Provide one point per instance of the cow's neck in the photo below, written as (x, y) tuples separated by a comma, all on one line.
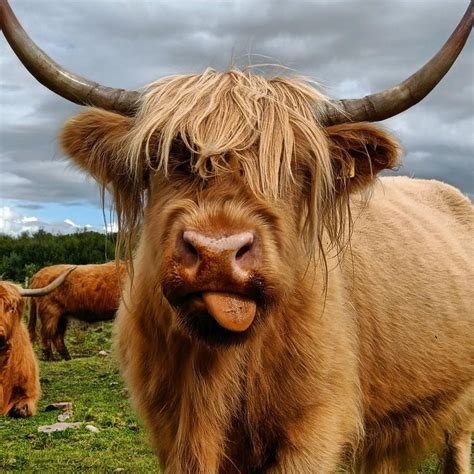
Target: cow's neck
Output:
[(214, 390)]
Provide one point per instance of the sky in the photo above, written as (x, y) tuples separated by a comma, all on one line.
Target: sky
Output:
[(351, 47)]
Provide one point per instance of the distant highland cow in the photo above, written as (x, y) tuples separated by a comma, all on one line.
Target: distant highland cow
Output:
[(91, 294), (19, 382)]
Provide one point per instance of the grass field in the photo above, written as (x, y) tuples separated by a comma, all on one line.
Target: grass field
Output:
[(92, 383)]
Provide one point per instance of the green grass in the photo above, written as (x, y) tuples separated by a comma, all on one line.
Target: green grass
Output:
[(92, 383), (94, 387)]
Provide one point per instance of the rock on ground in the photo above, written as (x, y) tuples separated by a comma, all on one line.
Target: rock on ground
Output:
[(92, 428), (58, 427)]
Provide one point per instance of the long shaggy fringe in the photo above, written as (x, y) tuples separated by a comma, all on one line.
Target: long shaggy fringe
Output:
[(262, 123)]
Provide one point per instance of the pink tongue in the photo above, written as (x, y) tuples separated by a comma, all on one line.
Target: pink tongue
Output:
[(231, 311)]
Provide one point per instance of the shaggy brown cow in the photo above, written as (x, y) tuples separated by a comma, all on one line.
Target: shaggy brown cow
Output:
[(90, 294), (19, 382), (277, 319)]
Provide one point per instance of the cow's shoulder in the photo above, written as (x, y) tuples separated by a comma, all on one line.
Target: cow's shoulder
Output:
[(434, 195)]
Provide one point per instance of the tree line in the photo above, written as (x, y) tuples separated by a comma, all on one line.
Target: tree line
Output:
[(23, 255)]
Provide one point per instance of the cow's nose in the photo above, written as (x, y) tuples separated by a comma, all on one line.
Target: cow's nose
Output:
[(3, 339), (239, 250)]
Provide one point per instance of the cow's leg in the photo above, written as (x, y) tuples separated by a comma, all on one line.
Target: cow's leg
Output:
[(317, 445), (23, 408), (386, 466), (458, 454), (42, 314), (296, 461), (50, 320), (46, 347), (23, 399), (58, 338)]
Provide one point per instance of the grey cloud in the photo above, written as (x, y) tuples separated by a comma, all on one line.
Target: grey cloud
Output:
[(358, 46), (32, 207)]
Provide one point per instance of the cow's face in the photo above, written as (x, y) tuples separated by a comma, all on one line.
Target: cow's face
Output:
[(220, 251), (240, 187), (11, 309)]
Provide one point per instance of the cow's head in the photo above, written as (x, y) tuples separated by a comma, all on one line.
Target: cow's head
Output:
[(12, 304), (233, 179), (11, 310), (240, 183)]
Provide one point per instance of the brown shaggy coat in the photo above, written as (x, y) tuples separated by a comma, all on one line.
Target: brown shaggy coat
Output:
[(361, 350), (90, 293), (19, 381)]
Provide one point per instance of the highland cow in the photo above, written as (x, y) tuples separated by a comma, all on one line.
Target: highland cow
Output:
[(279, 317), (90, 294), (19, 382)]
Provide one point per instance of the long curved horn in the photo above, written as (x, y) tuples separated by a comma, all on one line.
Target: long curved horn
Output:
[(385, 104), (75, 88), (47, 289)]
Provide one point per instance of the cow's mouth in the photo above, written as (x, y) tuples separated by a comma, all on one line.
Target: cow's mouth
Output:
[(3, 345), (231, 311), (219, 310), (217, 317)]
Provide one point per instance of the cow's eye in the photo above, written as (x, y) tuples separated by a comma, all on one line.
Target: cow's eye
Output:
[(180, 159), (180, 166)]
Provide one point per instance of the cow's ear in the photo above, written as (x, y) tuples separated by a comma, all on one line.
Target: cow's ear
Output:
[(94, 140), (359, 151)]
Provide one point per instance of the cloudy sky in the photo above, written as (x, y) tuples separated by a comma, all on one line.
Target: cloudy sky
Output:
[(353, 47)]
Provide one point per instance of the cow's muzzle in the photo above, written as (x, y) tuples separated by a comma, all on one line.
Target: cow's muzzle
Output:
[(4, 344), (215, 285), (217, 267)]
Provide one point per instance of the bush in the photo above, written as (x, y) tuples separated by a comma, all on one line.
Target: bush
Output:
[(22, 256)]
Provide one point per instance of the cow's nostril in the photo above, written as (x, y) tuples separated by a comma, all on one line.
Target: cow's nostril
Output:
[(241, 252), (188, 251), (191, 249)]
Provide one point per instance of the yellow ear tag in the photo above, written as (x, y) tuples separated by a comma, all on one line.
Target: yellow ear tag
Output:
[(352, 169), (351, 173)]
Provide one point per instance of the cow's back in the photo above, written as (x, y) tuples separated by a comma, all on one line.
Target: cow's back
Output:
[(409, 274), (88, 292)]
